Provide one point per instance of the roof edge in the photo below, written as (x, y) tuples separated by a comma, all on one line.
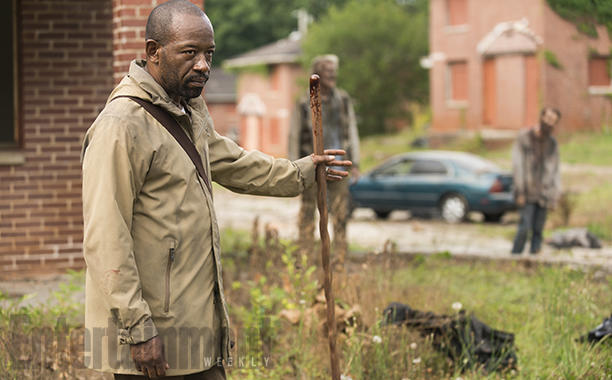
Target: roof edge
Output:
[(268, 60)]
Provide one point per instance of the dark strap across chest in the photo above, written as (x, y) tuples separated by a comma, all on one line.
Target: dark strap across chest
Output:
[(172, 126)]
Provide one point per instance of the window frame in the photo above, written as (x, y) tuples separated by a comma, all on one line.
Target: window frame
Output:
[(599, 89), (455, 28), (17, 142), (450, 101)]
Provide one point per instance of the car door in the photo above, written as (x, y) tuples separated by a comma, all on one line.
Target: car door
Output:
[(427, 181), (385, 189)]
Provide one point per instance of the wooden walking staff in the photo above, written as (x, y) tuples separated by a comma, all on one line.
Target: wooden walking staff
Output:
[(317, 134)]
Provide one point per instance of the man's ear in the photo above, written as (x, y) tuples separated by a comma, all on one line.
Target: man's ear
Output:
[(152, 50)]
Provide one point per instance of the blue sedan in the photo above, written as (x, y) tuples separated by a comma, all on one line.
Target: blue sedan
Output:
[(453, 183)]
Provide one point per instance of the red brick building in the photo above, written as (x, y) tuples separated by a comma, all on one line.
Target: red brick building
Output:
[(268, 87), (62, 59), (495, 63), (220, 95)]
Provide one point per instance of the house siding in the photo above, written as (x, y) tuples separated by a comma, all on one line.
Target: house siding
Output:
[(568, 88), (279, 91), (565, 88)]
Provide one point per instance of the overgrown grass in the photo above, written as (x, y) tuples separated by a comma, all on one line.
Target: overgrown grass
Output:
[(587, 148), (591, 209), (583, 148), (43, 340), (547, 308), (376, 149)]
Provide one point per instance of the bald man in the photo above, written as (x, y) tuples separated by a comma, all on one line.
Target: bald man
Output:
[(155, 305)]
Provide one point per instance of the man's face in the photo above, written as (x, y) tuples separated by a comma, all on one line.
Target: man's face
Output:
[(327, 73), (185, 61), (548, 121)]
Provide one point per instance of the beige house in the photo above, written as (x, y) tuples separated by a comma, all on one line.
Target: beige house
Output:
[(220, 96), (495, 63), (268, 86)]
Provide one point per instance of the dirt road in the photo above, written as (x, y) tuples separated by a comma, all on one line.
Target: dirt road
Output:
[(367, 234)]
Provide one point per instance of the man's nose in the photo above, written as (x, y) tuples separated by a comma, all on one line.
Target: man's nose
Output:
[(202, 65)]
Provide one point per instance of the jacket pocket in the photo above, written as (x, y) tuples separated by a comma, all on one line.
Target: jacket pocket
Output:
[(171, 254)]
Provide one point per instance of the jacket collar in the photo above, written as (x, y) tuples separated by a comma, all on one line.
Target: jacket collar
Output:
[(139, 83)]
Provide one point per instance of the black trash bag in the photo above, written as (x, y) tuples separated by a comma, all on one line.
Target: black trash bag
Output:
[(575, 237), (600, 332), (467, 341)]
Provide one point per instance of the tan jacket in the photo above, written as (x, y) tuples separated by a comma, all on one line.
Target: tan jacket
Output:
[(151, 239)]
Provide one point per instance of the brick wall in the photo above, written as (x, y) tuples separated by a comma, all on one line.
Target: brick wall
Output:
[(71, 52), (66, 52), (129, 20)]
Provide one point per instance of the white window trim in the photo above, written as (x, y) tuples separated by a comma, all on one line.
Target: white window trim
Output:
[(450, 102), (457, 104), (456, 29), (11, 157), (600, 90)]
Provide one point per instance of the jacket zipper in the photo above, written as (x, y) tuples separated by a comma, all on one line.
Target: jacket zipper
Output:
[(171, 254)]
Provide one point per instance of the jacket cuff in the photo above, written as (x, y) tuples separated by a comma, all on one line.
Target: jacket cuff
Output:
[(140, 332), (307, 170)]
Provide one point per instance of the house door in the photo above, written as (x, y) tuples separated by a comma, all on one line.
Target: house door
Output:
[(510, 91), (250, 136)]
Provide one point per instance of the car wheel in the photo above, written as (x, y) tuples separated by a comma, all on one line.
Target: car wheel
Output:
[(493, 218), (382, 214), (453, 208)]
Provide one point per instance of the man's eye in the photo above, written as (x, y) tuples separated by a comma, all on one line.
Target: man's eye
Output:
[(189, 52)]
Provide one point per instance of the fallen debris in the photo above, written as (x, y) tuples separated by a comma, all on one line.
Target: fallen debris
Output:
[(346, 318), (575, 237), (467, 341), (600, 332)]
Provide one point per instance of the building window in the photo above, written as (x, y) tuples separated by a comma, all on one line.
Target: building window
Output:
[(457, 89), (599, 73), (9, 131), (457, 12)]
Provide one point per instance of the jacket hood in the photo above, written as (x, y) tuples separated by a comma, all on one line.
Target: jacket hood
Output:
[(139, 83)]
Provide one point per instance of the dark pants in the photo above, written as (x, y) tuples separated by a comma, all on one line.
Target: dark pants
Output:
[(533, 217), (215, 373)]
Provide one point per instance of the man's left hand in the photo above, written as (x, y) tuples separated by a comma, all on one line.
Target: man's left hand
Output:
[(328, 158)]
